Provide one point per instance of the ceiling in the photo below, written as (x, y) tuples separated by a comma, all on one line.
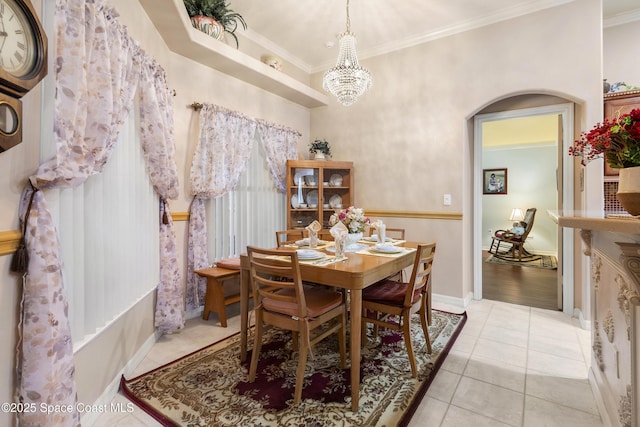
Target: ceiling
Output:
[(299, 30), (527, 131)]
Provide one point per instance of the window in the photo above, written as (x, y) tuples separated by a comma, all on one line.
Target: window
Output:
[(248, 215), (108, 229)]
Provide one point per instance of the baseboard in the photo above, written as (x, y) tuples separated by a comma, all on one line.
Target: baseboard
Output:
[(584, 323), (597, 396), (188, 315), (451, 303), (90, 417)]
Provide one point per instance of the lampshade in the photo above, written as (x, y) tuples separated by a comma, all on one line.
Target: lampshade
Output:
[(347, 80), (516, 215)]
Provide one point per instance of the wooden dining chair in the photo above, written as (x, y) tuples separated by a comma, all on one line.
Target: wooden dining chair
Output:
[(325, 234), (311, 312), (390, 303), (397, 234), (394, 233), (285, 237)]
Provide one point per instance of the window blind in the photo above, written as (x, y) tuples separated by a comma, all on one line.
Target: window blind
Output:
[(108, 230), (248, 215)]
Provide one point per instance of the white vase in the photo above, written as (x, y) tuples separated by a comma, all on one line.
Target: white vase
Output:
[(353, 239), (319, 155), (629, 189)]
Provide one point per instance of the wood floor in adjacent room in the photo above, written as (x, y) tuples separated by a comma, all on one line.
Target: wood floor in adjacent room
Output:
[(533, 287)]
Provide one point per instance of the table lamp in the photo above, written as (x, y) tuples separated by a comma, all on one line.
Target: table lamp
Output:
[(517, 215)]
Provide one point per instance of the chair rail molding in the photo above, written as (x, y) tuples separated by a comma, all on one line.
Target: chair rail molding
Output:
[(9, 241), (413, 214)]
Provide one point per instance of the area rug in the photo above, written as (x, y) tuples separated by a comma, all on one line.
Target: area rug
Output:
[(209, 387), (538, 261)]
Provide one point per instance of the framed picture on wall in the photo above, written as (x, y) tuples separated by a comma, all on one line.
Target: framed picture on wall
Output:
[(494, 181)]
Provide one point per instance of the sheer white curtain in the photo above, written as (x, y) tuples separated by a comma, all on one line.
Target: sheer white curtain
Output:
[(248, 215), (108, 231), (226, 142)]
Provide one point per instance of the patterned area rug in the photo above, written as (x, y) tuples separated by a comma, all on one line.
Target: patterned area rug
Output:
[(538, 261), (209, 387)]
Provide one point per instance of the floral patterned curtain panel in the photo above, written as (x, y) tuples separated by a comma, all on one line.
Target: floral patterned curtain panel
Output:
[(222, 154), (158, 145), (98, 69), (280, 144)]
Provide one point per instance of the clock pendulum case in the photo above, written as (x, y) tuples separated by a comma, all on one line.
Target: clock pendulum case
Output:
[(23, 64)]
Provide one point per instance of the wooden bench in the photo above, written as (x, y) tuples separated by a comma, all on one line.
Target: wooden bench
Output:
[(214, 297)]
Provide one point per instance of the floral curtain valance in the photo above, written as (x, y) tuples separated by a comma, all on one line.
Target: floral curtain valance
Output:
[(222, 154)]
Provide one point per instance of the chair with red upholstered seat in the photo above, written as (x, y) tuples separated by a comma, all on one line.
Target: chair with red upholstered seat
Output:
[(311, 312), (390, 303)]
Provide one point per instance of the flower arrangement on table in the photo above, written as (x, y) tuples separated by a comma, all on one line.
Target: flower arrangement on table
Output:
[(617, 140), (353, 218)]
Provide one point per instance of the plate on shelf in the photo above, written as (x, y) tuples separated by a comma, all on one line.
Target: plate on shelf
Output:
[(386, 249), (335, 180), (309, 254), (295, 203), (298, 177), (335, 201), (311, 180), (312, 197)]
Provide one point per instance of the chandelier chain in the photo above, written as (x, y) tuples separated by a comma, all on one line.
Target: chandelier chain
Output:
[(348, 19)]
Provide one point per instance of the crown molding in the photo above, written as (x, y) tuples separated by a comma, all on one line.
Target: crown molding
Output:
[(446, 31), (622, 18)]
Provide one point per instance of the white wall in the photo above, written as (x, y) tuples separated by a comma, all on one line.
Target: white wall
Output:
[(410, 135), (531, 183), (622, 54)]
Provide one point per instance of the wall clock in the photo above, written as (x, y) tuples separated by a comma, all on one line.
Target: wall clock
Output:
[(23, 64)]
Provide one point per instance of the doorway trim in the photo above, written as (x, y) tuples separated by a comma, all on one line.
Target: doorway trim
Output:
[(565, 110)]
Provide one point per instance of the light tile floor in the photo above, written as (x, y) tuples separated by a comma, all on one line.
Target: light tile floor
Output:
[(511, 366)]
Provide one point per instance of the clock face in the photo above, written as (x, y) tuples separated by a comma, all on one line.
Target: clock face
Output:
[(17, 42)]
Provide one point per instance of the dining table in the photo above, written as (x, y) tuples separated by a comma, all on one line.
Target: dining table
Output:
[(359, 269)]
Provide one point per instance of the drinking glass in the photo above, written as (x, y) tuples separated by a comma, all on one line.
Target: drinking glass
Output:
[(340, 244), (382, 234), (313, 240)]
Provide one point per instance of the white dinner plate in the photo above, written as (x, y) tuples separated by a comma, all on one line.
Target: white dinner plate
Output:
[(351, 248), (309, 254), (311, 180), (374, 238), (305, 242), (387, 249), (301, 173), (312, 197), (335, 180), (335, 201), (295, 203)]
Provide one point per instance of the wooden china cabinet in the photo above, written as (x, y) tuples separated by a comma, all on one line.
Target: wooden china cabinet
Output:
[(316, 189)]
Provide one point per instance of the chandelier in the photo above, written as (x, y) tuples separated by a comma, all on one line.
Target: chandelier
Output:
[(347, 80)]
